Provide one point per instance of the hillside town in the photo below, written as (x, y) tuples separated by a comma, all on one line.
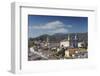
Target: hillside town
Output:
[(68, 48)]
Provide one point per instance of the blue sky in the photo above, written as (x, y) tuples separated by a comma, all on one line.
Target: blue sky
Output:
[(39, 25)]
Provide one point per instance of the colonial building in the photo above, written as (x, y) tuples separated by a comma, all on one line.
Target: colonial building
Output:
[(65, 43), (70, 42)]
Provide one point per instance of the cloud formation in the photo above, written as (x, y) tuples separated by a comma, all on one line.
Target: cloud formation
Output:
[(49, 25), (50, 28)]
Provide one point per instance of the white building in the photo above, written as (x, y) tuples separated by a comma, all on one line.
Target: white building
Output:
[(80, 44), (65, 43)]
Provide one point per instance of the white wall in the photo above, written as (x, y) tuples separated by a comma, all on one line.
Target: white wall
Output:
[(65, 44), (5, 33)]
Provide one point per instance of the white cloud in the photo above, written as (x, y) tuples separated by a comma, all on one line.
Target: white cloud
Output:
[(61, 30), (50, 25), (69, 26), (48, 28)]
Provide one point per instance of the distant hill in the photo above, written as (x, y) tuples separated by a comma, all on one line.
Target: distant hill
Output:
[(57, 37)]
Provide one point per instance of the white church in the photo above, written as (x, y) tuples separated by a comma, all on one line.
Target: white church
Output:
[(68, 43)]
